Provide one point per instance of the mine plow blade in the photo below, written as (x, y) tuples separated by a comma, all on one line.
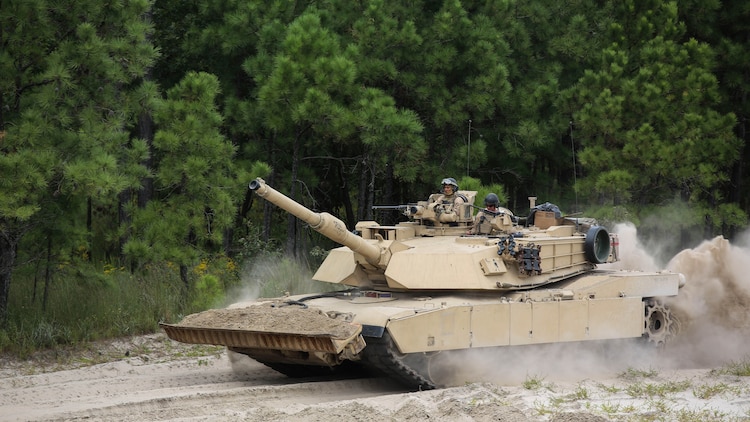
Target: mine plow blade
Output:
[(279, 327), (237, 338)]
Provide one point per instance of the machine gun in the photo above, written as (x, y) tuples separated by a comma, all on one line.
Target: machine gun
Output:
[(492, 213), (390, 207), (501, 212), (409, 210)]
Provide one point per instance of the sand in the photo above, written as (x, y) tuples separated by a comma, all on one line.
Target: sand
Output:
[(149, 378)]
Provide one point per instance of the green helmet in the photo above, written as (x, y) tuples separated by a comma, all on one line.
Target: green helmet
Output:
[(491, 199), (450, 181)]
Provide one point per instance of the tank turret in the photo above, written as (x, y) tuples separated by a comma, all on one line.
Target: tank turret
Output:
[(427, 253), (427, 285)]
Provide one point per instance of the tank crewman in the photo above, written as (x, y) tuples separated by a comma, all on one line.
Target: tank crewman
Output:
[(449, 200), (482, 219)]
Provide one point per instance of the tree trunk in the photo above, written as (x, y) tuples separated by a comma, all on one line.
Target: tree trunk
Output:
[(291, 238), (36, 282), (351, 218), (47, 275), (7, 260), (242, 211), (363, 213), (124, 221), (184, 277), (146, 131), (267, 208), (371, 192), (89, 216), (388, 193), (736, 185)]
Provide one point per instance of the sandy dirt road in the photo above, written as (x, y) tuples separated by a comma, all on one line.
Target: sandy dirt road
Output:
[(163, 381), (171, 385)]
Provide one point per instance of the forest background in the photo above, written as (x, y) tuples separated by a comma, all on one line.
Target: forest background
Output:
[(129, 130)]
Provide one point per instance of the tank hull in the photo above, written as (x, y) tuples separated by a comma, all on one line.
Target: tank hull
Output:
[(396, 329)]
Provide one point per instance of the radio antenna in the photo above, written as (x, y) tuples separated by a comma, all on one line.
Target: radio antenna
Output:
[(468, 150)]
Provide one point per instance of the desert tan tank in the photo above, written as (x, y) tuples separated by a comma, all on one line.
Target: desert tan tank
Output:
[(425, 286)]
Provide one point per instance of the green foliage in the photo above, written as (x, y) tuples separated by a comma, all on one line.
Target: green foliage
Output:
[(88, 303), (726, 217), (650, 111), (608, 216), (70, 98), (193, 171), (470, 183), (534, 82), (392, 136), (20, 195), (80, 310), (5, 340), (208, 292)]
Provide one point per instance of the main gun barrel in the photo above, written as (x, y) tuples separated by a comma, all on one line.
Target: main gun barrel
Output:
[(323, 222)]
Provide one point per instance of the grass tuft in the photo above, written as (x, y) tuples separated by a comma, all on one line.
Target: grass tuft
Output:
[(632, 374), (707, 391), (740, 368), (533, 383)]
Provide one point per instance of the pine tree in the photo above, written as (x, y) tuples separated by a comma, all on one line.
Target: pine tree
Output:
[(648, 119), (71, 91), (194, 180)]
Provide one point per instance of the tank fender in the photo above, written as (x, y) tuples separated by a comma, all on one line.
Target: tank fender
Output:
[(597, 245)]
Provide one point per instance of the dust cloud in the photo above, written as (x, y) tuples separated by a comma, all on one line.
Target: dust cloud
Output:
[(633, 255), (714, 305), (272, 276), (569, 362), (713, 309)]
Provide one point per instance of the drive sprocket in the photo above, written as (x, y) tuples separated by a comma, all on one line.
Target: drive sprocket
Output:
[(660, 323)]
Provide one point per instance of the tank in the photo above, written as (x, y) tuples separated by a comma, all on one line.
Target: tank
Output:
[(425, 286)]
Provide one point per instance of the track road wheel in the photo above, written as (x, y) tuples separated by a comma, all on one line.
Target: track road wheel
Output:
[(659, 323), (346, 369)]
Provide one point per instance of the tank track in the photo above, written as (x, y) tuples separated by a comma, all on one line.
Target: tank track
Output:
[(409, 369)]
